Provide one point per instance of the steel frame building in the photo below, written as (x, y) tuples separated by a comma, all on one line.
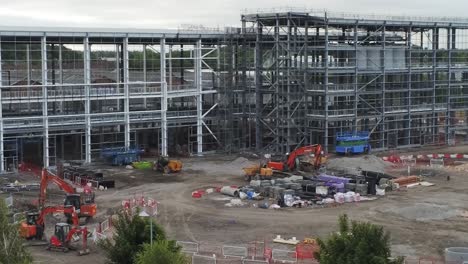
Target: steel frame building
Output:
[(282, 80), (404, 79), (99, 88)]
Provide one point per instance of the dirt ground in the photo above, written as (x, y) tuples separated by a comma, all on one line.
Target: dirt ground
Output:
[(422, 221)]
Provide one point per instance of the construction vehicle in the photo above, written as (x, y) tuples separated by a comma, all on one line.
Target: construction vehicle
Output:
[(83, 203), (33, 226), (167, 166), (63, 236), (255, 171), (292, 160)]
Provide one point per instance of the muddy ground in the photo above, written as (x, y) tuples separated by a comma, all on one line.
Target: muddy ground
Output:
[(422, 221)]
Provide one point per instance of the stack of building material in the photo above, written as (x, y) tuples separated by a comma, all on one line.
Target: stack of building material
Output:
[(404, 181)]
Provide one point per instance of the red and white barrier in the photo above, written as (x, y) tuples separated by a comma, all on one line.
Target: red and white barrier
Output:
[(397, 159)]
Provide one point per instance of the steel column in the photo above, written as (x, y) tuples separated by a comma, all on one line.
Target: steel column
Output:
[(2, 154), (126, 93), (44, 102), (198, 78), (87, 81), (145, 77), (164, 98), (258, 87), (325, 86)]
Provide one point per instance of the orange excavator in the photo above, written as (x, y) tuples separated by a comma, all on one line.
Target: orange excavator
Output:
[(33, 226), (83, 203), (292, 162)]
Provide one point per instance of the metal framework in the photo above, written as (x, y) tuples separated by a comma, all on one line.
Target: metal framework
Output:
[(318, 74), (283, 80), (73, 92)]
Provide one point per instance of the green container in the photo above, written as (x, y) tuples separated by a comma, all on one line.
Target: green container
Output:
[(142, 165)]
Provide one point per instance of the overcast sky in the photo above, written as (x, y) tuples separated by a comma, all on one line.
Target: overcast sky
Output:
[(211, 13)]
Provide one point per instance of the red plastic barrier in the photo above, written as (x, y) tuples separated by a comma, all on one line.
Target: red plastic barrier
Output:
[(306, 251)]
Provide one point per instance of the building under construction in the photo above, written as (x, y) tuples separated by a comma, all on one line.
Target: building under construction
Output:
[(280, 81)]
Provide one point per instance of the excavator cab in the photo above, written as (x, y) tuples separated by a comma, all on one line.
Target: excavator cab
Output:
[(73, 200), (61, 231), (59, 239), (32, 217), (30, 229)]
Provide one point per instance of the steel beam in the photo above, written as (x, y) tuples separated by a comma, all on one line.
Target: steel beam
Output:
[(87, 81), (163, 98)]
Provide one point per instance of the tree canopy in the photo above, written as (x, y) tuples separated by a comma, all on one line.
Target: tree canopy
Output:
[(160, 252), (131, 234), (356, 243)]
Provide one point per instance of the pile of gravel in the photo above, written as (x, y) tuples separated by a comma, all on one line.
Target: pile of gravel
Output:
[(354, 165)]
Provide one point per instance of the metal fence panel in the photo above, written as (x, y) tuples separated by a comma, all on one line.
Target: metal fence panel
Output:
[(200, 259), (249, 261), (233, 251), (9, 201), (285, 256), (188, 247)]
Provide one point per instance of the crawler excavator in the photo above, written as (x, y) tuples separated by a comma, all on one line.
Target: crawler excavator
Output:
[(33, 226), (292, 161), (84, 203)]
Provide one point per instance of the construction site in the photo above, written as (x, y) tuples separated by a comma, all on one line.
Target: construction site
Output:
[(243, 143)]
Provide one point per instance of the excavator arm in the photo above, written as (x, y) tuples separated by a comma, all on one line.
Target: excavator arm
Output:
[(290, 162), (47, 177), (58, 209)]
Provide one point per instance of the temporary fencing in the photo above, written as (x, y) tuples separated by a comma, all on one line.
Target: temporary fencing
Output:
[(429, 260), (188, 247), (9, 201), (200, 259), (102, 229), (234, 251), (284, 256), (249, 261), (437, 163)]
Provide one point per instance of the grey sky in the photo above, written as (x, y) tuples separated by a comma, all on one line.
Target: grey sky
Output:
[(172, 13)]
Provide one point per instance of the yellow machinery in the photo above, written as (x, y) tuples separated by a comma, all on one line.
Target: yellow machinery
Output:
[(255, 170), (168, 166)]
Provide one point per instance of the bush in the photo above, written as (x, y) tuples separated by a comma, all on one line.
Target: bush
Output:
[(131, 233), (11, 244), (161, 252), (356, 243)]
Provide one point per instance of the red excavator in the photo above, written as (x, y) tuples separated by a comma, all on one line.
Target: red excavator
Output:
[(291, 161), (83, 203), (33, 226), (63, 236)]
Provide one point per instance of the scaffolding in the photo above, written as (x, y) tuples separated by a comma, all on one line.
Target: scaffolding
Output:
[(319, 74), (282, 80)]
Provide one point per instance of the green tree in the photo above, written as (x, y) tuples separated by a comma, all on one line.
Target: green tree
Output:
[(131, 233), (11, 244), (356, 243), (161, 252)]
